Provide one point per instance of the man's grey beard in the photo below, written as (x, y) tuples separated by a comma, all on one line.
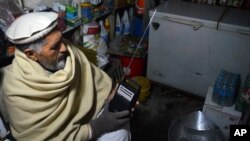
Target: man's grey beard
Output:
[(59, 64)]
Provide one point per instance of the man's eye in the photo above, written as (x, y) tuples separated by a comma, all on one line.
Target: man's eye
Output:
[(56, 46), (53, 48)]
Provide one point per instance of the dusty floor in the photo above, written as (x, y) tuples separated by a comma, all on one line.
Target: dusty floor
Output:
[(152, 118)]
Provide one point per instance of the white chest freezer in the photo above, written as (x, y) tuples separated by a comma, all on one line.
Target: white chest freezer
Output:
[(190, 43)]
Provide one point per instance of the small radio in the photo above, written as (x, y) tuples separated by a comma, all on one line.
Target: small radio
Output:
[(126, 96)]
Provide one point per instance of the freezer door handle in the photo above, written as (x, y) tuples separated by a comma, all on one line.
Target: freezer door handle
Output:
[(155, 25), (194, 24)]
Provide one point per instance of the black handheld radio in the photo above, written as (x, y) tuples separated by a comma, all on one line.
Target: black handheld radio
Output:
[(126, 96)]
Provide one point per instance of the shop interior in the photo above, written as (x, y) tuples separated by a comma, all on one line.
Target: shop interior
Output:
[(189, 57)]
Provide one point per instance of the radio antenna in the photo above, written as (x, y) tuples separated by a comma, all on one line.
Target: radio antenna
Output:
[(138, 45)]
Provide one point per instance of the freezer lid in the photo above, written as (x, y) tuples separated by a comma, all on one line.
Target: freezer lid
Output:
[(182, 11), (236, 20)]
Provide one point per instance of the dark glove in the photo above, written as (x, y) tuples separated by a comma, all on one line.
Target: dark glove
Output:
[(108, 121)]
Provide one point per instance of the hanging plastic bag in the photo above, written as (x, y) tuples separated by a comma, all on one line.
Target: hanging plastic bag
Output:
[(118, 25), (126, 22)]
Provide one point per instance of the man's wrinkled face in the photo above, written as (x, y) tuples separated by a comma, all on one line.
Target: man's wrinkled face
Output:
[(54, 52)]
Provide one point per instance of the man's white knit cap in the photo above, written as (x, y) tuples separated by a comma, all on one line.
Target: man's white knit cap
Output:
[(30, 27)]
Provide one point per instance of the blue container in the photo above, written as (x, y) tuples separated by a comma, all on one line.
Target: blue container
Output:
[(225, 88), (137, 27), (87, 14)]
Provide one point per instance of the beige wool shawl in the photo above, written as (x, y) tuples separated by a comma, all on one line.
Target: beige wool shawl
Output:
[(56, 106)]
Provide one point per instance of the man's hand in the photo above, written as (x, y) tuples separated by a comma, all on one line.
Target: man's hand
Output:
[(108, 121)]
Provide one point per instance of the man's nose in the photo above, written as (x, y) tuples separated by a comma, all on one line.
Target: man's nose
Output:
[(63, 48)]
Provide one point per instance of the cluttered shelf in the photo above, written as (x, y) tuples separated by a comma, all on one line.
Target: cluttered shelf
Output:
[(80, 21)]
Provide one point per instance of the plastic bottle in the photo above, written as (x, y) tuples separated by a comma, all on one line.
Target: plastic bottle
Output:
[(225, 88), (126, 22), (222, 95), (216, 97), (118, 25), (233, 89)]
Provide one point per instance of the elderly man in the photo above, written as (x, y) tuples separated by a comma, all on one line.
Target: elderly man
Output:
[(51, 91)]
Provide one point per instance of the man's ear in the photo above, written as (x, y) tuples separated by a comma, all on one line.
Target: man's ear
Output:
[(31, 54)]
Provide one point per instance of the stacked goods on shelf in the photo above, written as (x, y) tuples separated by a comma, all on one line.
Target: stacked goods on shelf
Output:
[(90, 34), (86, 11), (72, 18), (95, 38), (91, 12)]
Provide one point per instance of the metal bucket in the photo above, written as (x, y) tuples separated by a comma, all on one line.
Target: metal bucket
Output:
[(195, 127)]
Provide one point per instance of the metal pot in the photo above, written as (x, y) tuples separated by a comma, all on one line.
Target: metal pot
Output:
[(195, 127)]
